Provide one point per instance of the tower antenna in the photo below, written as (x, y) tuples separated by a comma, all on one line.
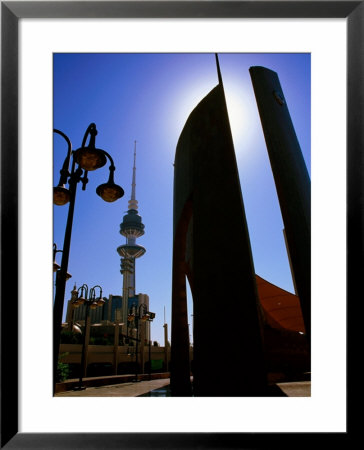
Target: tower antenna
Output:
[(133, 203)]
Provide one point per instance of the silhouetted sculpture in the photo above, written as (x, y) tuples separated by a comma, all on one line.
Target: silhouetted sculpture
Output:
[(211, 247), (291, 179)]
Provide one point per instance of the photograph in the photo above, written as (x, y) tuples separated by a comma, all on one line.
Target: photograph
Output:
[(190, 257)]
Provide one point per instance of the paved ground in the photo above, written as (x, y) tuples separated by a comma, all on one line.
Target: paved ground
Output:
[(296, 389), (118, 390), (146, 388)]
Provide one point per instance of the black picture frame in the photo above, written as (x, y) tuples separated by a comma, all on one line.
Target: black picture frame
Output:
[(11, 12)]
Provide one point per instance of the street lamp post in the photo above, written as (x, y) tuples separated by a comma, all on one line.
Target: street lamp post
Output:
[(87, 158), (87, 298), (135, 315), (150, 320), (150, 359)]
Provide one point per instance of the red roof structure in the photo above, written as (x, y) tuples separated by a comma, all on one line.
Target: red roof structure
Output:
[(281, 308)]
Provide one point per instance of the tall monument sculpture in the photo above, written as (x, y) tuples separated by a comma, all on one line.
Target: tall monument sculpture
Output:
[(132, 228), (291, 179), (208, 204)]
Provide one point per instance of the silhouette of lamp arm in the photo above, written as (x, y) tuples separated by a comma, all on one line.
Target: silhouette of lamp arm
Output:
[(56, 266)]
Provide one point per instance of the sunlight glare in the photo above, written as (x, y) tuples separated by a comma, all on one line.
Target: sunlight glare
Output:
[(186, 104), (242, 111)]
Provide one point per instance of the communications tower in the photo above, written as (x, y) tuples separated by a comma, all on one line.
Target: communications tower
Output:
[(132, 228)]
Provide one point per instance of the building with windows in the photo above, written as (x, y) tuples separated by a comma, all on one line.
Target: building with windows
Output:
[(110, 312)]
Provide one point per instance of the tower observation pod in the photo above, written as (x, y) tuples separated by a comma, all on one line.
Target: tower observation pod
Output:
[(132, 228)]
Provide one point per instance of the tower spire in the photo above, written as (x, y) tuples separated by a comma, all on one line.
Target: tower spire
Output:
[(132, 228), (133, 203)]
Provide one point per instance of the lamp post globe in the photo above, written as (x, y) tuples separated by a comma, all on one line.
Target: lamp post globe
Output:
[(89, 157), (61, 195)]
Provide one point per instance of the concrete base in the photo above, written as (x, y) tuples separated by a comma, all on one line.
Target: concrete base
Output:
[(69, 385)]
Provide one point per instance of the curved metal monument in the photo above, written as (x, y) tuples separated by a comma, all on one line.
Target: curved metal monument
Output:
[(291, 179), (208, 199)]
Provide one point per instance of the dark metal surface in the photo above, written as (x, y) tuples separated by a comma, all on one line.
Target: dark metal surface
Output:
[(206, 176), (291, 179), (11, 12)]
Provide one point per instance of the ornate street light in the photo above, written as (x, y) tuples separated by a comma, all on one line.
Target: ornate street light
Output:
[(139, 315), (87, 158), (87, 298)]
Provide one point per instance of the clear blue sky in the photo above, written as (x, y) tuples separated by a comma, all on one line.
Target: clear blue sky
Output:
[(148, 98)]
